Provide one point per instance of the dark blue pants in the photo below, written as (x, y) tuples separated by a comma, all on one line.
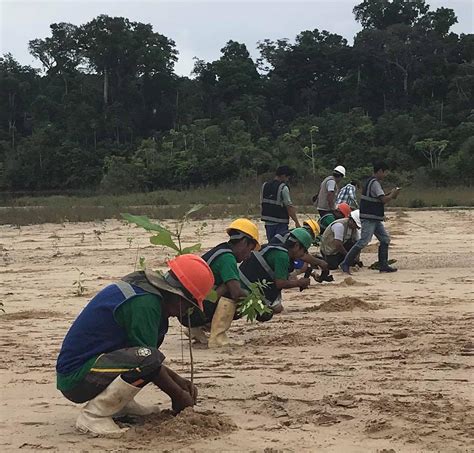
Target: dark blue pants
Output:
[(273, 230)]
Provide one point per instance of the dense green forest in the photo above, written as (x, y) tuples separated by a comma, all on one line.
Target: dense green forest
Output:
[(108, 112)]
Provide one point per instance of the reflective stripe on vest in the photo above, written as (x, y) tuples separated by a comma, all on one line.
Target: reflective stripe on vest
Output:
[(271, 201), (260, 270), (126, 288), (216, 254), (370, 207), (328, 247)]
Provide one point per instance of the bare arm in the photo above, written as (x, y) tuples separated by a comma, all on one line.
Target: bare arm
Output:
[(391, 196), (297, 283), (234, 290), (332, 199), (292, 213), (340, 247), (180, 397), (315, 262)]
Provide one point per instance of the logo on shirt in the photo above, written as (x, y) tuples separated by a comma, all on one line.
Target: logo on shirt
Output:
[(143, 352)]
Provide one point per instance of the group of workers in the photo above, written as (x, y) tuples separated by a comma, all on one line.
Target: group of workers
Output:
[(111, 351)]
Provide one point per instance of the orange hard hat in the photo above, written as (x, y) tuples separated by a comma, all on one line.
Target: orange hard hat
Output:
[(344, 208), (194, 274)]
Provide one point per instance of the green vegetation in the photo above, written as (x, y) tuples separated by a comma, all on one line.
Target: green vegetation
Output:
[(108, 112), (245, 202)]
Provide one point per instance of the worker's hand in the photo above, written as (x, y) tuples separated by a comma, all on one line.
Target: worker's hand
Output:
[(190, 388), (303, 283), (395, 192), (182, 401), (186, 385)]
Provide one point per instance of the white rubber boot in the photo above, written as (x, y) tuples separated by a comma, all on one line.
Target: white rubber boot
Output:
[(96, 416), (221, 322)]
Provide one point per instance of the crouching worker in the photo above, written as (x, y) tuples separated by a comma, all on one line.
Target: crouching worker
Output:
[(273, 264), (111, 350), (338, 238), (312, 227), (342, 211), (223, 259)]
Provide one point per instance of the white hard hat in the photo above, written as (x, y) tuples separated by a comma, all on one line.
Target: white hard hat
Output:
[(355, 216), (340, 169)]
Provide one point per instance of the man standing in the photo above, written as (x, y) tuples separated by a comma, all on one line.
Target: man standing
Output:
[(111, 350), (338, 239), (372, 215), (326, 202), (277, 207), (348, 194)]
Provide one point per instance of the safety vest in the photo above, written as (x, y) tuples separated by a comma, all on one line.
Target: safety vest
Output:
[(371, 208), (323, 195), (255, 268), (271, 200), (197, 317), (328, 246), (219, 250), (95, 331)]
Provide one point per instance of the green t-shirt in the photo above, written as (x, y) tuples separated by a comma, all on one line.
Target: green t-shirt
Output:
[(140, 317), (224, 268), (279, 261)]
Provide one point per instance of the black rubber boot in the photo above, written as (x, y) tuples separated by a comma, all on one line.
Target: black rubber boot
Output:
[(383, 259)]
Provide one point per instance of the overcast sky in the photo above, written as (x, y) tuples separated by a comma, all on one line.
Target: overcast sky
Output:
[(199, 28)]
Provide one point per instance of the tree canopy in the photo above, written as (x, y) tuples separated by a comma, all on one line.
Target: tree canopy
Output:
[(108, 111)]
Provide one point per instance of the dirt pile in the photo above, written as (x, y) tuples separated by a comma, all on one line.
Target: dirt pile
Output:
[(186, 425), (346, 304), (349, 281)]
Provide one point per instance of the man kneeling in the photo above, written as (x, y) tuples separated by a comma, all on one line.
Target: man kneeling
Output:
[(338, 238), (111, 350)]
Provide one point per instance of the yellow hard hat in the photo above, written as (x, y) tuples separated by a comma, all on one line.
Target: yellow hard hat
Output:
[(247, 227), (314, 226)]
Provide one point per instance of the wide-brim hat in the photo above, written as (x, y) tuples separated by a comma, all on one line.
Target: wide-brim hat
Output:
[(158, 281)]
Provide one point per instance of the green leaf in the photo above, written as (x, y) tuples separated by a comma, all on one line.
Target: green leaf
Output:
[(212, 296), (195, 208), (191, 249), (164, 238), (144, 222), (253, 305)]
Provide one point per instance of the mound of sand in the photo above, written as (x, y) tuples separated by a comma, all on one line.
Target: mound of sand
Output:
[(346, 304), (188, 424), (349, 281)]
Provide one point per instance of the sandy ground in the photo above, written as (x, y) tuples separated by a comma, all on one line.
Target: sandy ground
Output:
[(392, 374)]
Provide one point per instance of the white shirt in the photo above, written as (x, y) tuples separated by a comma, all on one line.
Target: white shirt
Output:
[(338, 230)]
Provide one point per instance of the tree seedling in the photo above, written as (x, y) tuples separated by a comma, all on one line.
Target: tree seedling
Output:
[(79, 285), (253, 305), (98, 233), (164, 236)]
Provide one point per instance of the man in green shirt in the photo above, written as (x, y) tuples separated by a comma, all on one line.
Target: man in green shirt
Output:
[(223, 259), (111, 350), (273, 265)]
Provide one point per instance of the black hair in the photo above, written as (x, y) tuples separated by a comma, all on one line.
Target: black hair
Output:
[(380, 165), (354, 182), (284, 170), (336, 174), (236, 236)]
